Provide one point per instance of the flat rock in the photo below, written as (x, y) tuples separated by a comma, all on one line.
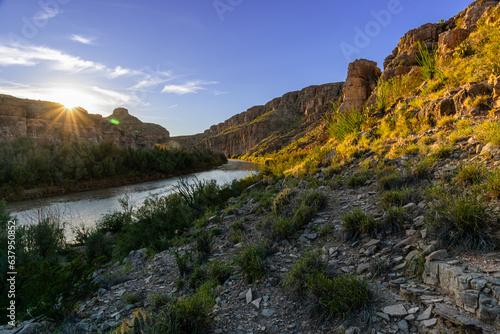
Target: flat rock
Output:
[(437, 255), (268, 312), (426, 314), (395, 310), (430, 322), (249, 296)]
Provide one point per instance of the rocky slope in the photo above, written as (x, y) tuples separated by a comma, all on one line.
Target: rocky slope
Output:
[(47, 121), (267, 128)]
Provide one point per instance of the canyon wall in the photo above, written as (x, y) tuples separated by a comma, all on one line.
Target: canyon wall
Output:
[(269, 127), (50, 122)]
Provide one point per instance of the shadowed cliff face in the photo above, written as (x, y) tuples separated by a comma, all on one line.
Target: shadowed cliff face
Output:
[(51, 122), (267, 128)]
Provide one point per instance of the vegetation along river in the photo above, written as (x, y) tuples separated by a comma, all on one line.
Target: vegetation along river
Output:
[(86, 208)]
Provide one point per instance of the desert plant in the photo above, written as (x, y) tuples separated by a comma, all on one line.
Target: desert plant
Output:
[(131, 298), (357, 222), (492, 184), (427, 62), (390, 181), (98, 245), (470, 174), (399, 197), (488, 132), (204, 244), (251, 260), (283, 202), (358, 178), (298, 277), (394, 218), (184, 263), (343, 123)]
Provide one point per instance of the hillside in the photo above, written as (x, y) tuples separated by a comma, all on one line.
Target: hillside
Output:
[(380, 215), (50, 122)]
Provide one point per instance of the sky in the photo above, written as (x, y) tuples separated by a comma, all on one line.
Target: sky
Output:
[(189, 64)]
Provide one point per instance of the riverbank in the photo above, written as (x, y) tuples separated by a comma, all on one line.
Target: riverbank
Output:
[(81, 186)]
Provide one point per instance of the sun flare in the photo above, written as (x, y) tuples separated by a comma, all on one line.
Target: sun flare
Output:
[(72, 98)]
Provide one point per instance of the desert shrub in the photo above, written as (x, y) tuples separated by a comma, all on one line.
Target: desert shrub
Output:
[(359, 178), (337, 294), (492, 184), (333, 170), (428, 63), (283, 202), (140, 322), (459, 219), (53, 290), (423, 169), (219, 271), (488, 132), (399, 197), (343, 123), (42, 240), (204, 244), (358, 222), (132, 298), (470, 174), (251, 260), (98, 245), (390, 181), (394, 218), (184, 263)]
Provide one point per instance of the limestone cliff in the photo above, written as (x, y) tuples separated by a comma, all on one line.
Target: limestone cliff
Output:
[(267, 128), (51, 122)]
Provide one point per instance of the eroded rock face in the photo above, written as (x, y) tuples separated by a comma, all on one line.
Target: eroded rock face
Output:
[(450, 39), (362, 78), (269, 127), (51, 122), (469, 17)]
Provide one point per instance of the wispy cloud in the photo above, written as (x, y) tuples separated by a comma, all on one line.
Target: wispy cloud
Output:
[(188, 87), (82, 39), (47, 14)]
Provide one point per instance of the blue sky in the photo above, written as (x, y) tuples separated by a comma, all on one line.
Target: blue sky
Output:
[(189, 64)]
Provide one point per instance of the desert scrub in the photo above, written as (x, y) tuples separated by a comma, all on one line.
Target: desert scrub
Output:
[(252, 261), (488, 132), (337, 294), (335, 169), (98, 245), (284, 202), (392, 180), (343, 123), (492, 184), (358, 222), (459, 219), (399, 197), (359, 178), (469, 174), (132, 298), (394, 219), (423, 169), (204, 244)]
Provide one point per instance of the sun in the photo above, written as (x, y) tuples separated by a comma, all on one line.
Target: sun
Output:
[(72, 98)]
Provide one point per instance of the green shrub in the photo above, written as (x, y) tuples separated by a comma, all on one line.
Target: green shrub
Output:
[(399, 197), (132, 298), (338, 295), (356, 223), (251, 260), (333, 170), (341, 295), (459, 219), (53, 290), (204, 244), (395, 218), (42, 240), (341, 124), (98, 245), (488, 132), (392, 181), (284, 202), (492, 185), (359, 178), (470, 174), (219, 271), (183, 263), (423, 169), (428, 63)]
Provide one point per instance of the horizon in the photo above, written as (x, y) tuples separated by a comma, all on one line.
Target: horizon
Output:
[(187, 66)]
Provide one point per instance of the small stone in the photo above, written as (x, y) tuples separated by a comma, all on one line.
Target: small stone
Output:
[(410, 207), (218, 331), (430, 322), (413, 310), (249, 296), (426, 315), (243, 295), (256, 303), (395, 310), (373, 242), (268, 312), (413, 255), (266, 298), (383, 316), (403, 325), (437, 255)]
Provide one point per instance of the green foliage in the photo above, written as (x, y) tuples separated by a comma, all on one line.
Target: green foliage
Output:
[(284, 202), (251, 260), (343, 123), (132, 298), (359, 178), (183, 263), (492, 184), (459, 219), (470, 174), (423, 169), (53, 290), (390, 181), (399, 197), (139, 323), (358, 222), (204, 244), (338, 295), (488, 132), (428, 63), (219, 271), (98, 245), (27, 165), (42, 240), (395, 218)]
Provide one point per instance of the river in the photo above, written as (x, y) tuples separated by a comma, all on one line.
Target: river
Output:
[(85, 208)]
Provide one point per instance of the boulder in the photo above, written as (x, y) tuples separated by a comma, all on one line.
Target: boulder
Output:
[(496, 88), (449, 40), (362, 78), (437, 109), (468, 18)]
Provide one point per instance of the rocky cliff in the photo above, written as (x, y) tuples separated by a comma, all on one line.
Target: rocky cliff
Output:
[(269, 127), (51, 122)]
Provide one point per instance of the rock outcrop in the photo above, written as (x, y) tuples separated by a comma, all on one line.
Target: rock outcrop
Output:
[(445, 37), (267, 128), (362, 78), (50, 122)]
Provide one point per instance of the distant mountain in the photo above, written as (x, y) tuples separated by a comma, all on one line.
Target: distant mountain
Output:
[(50, 122)]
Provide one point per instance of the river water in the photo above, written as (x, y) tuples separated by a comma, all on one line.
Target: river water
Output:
[(85, 208)]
